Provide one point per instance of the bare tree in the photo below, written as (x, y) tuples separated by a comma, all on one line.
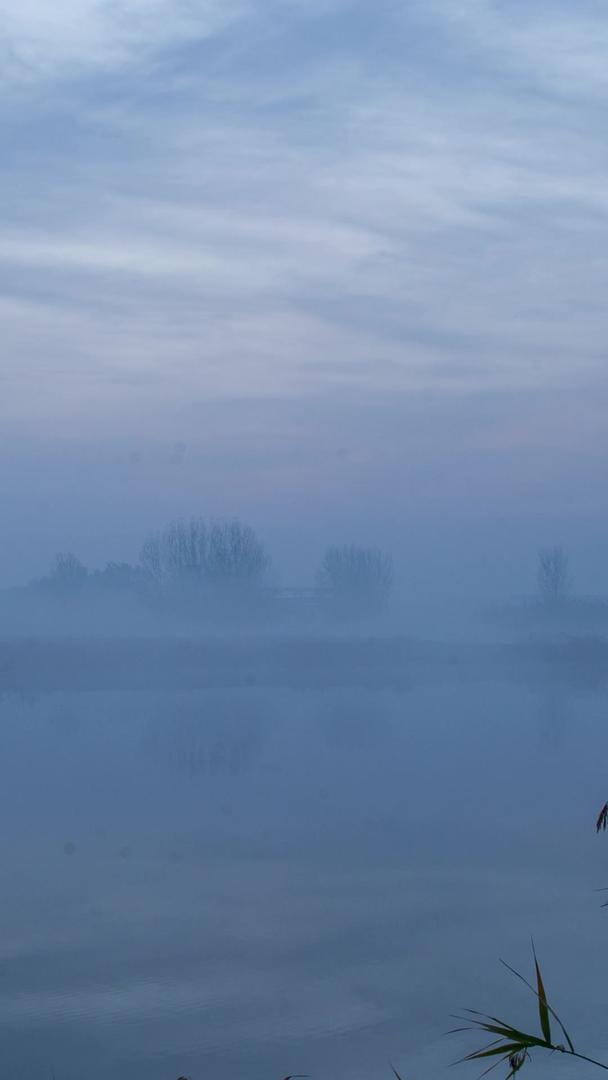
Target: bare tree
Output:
[(553, 577), (235, 555), (177, 556), (190, 554), (359, 580)]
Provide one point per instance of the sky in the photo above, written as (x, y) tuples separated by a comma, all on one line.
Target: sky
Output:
[(334, 267)]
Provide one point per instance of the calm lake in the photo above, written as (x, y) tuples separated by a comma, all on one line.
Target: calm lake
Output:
[(256, 882)]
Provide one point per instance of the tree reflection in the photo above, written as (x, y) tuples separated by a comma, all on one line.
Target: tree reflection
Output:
[(207, 735)]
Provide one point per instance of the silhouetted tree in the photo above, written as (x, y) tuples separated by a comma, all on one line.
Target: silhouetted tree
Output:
[(235, 555), (192, 555), (177, 555), (67, 575), (553, 578), (358, 580)]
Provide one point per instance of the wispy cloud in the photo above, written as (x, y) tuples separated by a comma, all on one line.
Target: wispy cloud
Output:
[(55, 41), (318, 201), (553, 44)]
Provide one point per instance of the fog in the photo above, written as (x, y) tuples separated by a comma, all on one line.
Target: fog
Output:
[(303, 575), (253, 828), (258, 878)]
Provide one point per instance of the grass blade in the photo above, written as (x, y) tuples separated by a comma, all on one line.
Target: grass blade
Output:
[(495, 1051), (504, 1030), (543, 1008), (550, 1008)]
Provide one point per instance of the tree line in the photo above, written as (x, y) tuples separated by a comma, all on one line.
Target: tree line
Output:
[(223, 566)]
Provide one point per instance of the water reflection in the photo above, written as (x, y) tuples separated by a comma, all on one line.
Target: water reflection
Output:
[(357, 725), (251, 882), (207, 736)]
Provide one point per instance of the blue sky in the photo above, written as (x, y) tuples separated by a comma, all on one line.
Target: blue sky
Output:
[(337, 267)]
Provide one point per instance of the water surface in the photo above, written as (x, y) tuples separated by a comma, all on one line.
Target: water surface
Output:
[(255, 882)]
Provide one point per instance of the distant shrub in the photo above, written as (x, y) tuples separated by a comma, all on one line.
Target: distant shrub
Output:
[(357, 580), (117, 577), (67, 575)]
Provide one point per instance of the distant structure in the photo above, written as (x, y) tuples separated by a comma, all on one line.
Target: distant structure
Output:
[(296, 598)]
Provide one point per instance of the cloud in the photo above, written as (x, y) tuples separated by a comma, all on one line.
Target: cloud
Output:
[(557, 45), (319, 202), (43, 41)]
